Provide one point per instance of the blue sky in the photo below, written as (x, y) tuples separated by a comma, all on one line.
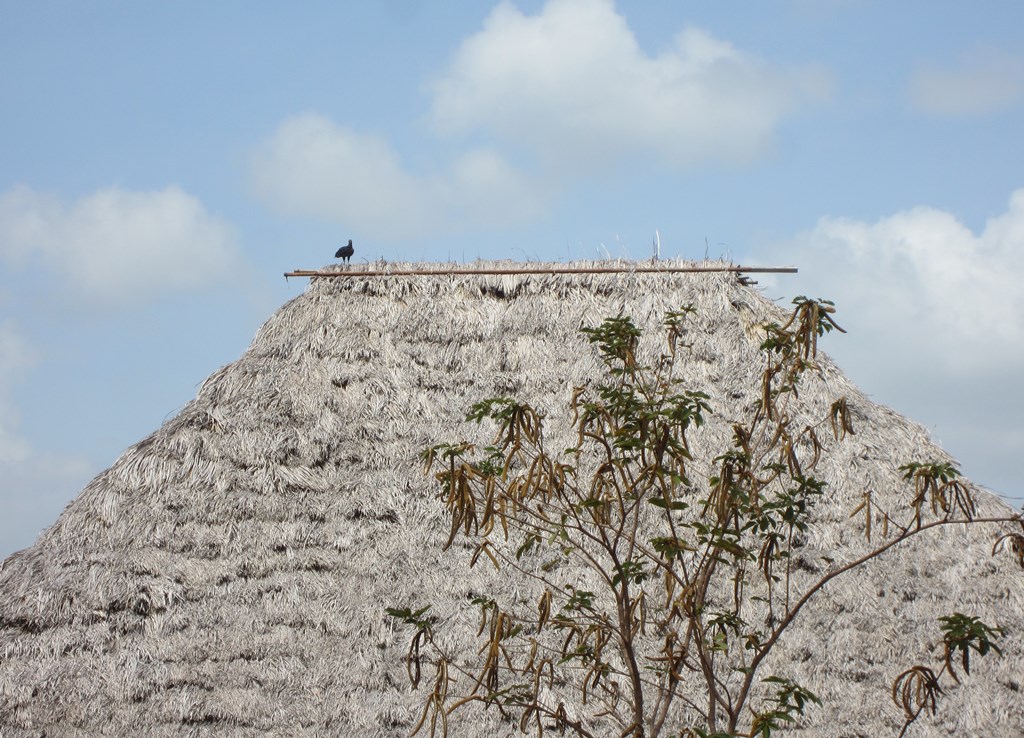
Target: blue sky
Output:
[(162, 164)]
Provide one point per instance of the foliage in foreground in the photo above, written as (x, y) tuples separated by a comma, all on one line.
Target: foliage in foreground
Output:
[(690, 581)]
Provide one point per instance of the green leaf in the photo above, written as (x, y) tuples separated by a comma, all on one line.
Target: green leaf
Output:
[(410, 616), (670, 505), (630, 571), (495, 408), (581, 599), (965, 633), (670, 547), (530, 541)]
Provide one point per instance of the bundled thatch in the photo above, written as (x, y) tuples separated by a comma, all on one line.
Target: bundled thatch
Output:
[(229, 573)]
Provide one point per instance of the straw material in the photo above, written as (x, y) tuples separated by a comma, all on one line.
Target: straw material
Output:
[(228, 574)]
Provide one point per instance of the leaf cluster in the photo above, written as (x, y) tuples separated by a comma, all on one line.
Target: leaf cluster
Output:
[(917, 689), (693, 566)]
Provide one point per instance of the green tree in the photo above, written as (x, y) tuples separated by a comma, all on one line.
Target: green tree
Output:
[(693, 580)]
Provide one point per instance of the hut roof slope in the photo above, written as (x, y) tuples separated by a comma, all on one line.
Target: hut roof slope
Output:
[(228, 574)]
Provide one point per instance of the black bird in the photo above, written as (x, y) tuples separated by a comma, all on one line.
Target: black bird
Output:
[(345, 252)]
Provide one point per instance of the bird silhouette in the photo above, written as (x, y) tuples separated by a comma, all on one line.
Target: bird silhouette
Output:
[(345, 252)]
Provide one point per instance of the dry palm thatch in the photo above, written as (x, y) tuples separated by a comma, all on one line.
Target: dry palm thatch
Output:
[(228, 574)]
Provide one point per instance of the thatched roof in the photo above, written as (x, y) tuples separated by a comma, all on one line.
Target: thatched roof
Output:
[(228, 574)]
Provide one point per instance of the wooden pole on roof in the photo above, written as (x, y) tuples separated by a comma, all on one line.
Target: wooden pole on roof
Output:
[(313, 273)]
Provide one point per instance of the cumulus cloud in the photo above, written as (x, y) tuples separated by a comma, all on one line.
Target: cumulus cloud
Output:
[(116, 245), (982, 82), (933, 312), (925, 286), (314, 167), (570, 88), (35, 485), (572, 84), (16, 357), (311, 166), (488, 189)]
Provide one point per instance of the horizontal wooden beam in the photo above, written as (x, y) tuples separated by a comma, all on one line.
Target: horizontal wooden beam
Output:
[(312, 273)]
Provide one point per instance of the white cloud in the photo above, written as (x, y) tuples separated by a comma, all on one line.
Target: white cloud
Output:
[(924, 286), (569, 86), (933, 311), (115, 245), (981, 83), (16, 357), (35, 485), (572, 84), (312, 166), (490, 190)]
